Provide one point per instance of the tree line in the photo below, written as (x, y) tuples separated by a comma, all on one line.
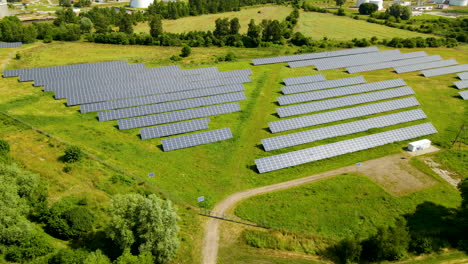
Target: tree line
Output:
[(140, 228)]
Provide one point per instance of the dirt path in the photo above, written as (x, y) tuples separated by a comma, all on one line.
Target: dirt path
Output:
[(210, 244), (394, 173)]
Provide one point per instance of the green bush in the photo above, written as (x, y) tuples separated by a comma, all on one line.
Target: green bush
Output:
[(186, 51), (73, 154), (30, 247), (4, 147), (67, 221), (69, 256)]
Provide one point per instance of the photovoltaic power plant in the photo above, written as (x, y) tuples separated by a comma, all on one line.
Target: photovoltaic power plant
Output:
[(306, 87), (177, 116), (10, 44), (174, 129), (348, 90), (391, 64), (161, 98), (304, 79), (424, 66), (342, 114), (463, 75), (170, 106), (446, 70), (343, 101), (464, 94), (461, 84), (362, 58), (303, 156), (364, 61), (310, 56), (341, 129), (196, 139)]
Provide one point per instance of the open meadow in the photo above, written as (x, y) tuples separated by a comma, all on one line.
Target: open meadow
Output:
[(219, 169)]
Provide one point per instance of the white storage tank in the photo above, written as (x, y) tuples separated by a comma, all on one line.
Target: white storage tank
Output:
[(140, 3), (458, 2), (419, 145)]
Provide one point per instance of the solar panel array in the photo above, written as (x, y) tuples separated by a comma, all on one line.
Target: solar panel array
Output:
[(196, 139), (310, 56), (391, 64), (446, 70), (300, 88), (317, 95), (10, 44), (342, 147), (174, 129), (304, 79), (461, 84), (354, 57), (343, 101), (424, 66), (464, 94), (170, 106), (308, 136), (368, 60), (177, 116), (145, 96), (463, 75), (342, 114)]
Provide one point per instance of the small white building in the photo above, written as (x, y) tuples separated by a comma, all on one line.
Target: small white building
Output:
[(422, 8), (402, 3), (419, 145)]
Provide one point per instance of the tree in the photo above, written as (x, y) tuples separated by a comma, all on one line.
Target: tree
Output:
[(68, 256), (340, 12), (144, 224), (234, 26), (96, 257), (222, 28), (4, 146), (156, 27), (126, 24), (399, 11), (273, 31), (254, 35), (368, 8), (73, 154), (340, 2), (86, 25), (66, 220), (348, 250), (186, 51), (128, 258), (65, 3)]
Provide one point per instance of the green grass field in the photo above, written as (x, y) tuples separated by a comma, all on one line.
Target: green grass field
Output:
[(207, 22), (213, 170), (318, 26), (333, 208)]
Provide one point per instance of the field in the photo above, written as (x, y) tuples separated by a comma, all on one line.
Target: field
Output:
[(214, 170), (207, 22), (318, 26), (333, 208)]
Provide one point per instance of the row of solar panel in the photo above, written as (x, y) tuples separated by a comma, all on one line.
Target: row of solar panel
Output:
[(391, 64), (174, 129), (356, 57), (342, 147), (343, 101), (461, 84), (196, 139), (161, 84), (10, 44), (305, 87), (304, 79), (369, 60), (310, 56), (161, 98), (464, 94), (308, 136), (170, 106), (463, 76), (347, 90), (424, 66), (446, 70), (342, 114)]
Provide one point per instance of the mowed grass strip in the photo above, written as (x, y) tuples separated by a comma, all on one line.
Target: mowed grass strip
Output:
[(318, 25), (207, 22), (339, 207)]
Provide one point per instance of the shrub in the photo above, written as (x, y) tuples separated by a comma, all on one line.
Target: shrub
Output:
[(367, 8), (73, 154), (4, 147), (186, 51), (68, 256), (67, 221), (340, 12), (175, 58)]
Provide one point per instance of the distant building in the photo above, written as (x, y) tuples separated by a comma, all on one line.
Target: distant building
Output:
[(403, 3), (378, 3), (416, 13), (458, 2), (442, 6), (421, 8), (4, 9)]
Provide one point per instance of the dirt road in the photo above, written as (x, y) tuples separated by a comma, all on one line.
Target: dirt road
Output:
[(210, 243)]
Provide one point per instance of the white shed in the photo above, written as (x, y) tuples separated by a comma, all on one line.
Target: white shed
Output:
[(419, 145)]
